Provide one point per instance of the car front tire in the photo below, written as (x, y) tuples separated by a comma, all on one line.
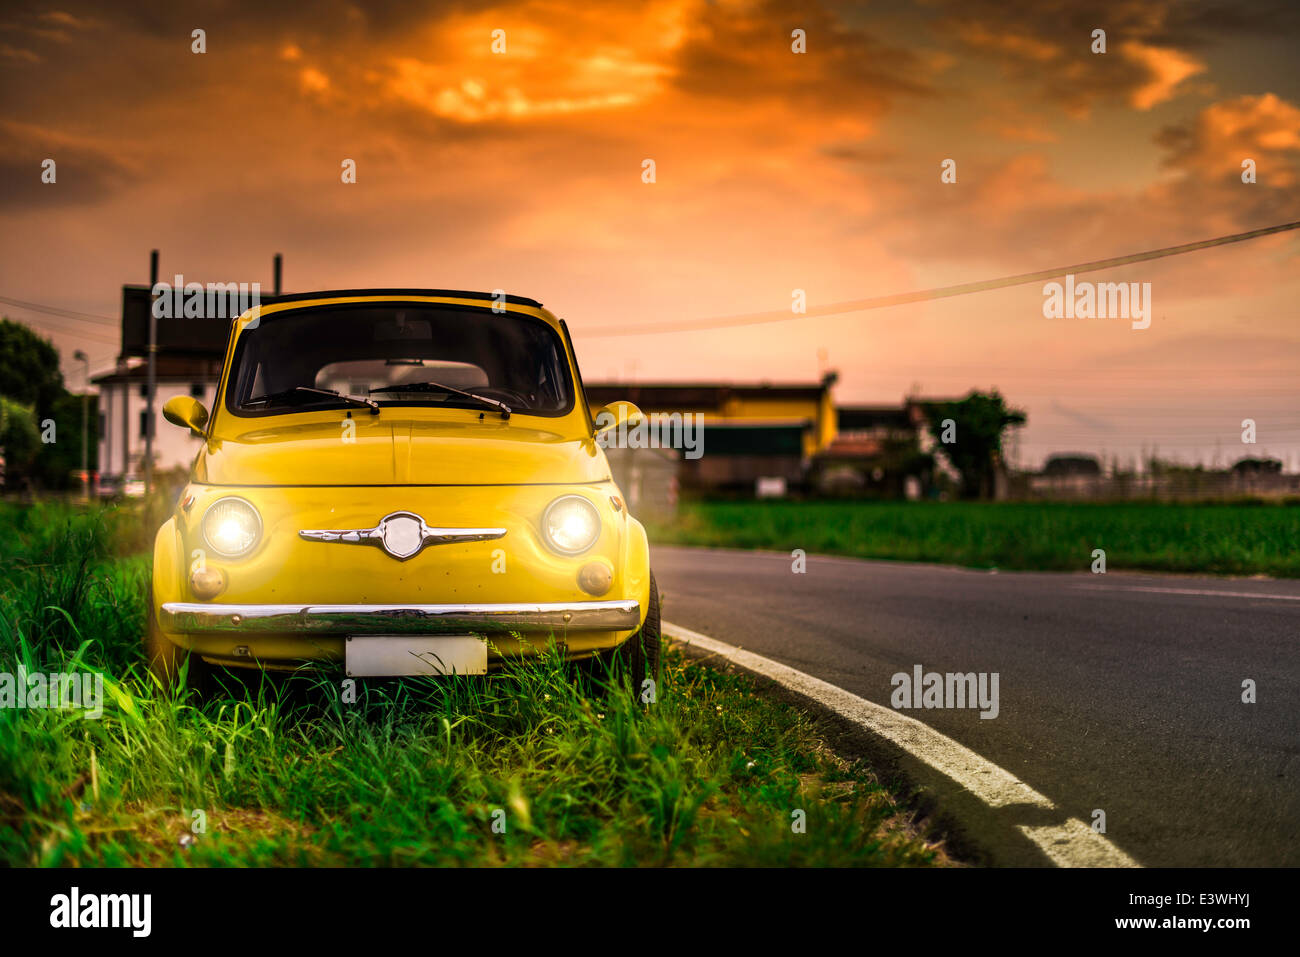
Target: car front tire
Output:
[(639, 656)]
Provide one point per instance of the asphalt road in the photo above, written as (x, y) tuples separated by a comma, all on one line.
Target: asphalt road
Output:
[(1117, 692)]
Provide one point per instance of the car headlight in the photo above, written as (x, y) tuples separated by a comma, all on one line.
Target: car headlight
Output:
[(231, 527), (571, 525)]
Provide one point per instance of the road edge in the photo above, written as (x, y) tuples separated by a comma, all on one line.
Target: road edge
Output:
[(1003, 819)]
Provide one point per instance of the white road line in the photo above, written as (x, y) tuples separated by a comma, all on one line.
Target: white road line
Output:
[(1075, 844), (1191, 591), (1072, 844)]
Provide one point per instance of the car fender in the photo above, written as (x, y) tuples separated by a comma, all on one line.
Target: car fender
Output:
[(168, 565), (636, 565)]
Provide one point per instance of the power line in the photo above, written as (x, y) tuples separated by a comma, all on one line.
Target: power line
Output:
[(57, 311), (47, 326), (838, 308), (94, 328), (940, 292)]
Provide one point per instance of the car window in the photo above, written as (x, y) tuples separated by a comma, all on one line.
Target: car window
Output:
[(359, 376), (399, 355)]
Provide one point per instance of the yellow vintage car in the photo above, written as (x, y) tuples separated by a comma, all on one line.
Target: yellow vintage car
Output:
[(399, 482)]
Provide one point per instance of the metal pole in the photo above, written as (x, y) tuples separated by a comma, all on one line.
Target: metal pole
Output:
[(85, 415), (85, 395), (126, 418), (279, 261), (153, 379)]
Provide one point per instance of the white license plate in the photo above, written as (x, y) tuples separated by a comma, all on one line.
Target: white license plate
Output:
[(384, 655)]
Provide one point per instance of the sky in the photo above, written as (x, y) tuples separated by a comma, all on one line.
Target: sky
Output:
[(503, 145)]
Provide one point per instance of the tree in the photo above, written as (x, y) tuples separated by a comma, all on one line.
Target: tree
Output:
[(29, 368), (1257, 466), (968, 433), (31, 393), (19, 441), (58, 463), (1071, 464)]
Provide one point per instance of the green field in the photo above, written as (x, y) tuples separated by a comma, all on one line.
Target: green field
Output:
[(1240, 539), (415, 773)]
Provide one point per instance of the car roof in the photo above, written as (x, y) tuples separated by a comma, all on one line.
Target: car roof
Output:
[(287, 304), (402, 294)]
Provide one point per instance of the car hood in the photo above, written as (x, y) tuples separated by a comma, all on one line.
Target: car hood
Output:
[(389, 450)]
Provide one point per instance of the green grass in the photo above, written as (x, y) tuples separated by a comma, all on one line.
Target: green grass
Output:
[(1239, 539), (414, 772)]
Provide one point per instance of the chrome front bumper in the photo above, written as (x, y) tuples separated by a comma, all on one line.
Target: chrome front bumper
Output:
[(199, 618)]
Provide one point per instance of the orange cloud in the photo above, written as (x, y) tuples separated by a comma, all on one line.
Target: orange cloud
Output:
[(1047, 48), (520, 62), (1019, 45), (1210, 149), (313, 81), (1166, 69)]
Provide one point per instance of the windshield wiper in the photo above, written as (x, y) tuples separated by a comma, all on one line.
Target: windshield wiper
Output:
[(302, 389), (438, 387)]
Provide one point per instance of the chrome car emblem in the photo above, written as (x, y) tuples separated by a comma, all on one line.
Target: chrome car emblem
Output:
[(402, 534)]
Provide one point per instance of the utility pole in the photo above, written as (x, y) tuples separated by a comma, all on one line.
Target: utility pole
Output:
[(85, 397), (279, 262), (153, 378)]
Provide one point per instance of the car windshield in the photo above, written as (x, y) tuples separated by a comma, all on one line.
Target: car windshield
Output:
[(396, 356)]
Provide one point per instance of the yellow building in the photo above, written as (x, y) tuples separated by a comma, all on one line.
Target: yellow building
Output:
[(755, 438)]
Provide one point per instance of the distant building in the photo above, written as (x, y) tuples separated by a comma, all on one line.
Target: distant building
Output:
[(123, 412), (1069, 475), (755, 437), (877, 451), (1261, 476)]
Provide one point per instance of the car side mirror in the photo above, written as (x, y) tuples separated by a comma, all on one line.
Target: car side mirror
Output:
[(187, 412), (618, 415)]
